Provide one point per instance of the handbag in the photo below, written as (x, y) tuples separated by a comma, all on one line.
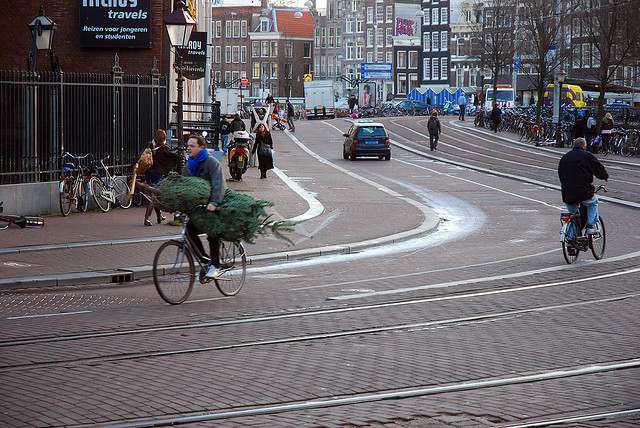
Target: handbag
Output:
[(264, 150), (145, 162), (596, 142)]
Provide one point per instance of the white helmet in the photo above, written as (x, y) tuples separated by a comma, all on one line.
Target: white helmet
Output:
[(241, 135)]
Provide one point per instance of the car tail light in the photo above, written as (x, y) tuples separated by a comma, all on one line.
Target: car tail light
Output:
[(355, 141), (386, 142)]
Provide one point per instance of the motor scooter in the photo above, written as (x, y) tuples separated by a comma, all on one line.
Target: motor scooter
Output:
[(239, 152)]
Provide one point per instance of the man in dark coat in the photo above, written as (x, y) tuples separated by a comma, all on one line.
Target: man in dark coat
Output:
[(576, 171)]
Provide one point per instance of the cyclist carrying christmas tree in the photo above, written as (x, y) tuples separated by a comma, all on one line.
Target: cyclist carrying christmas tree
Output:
[(201, 165)]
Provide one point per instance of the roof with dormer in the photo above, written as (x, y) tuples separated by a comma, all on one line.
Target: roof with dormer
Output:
[(285, 22)]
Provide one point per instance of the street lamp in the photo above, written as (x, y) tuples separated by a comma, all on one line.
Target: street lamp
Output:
[(42, 29), (557, 100), (179, 26)]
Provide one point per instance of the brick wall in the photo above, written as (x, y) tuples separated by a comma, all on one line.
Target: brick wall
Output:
[(16, 40)]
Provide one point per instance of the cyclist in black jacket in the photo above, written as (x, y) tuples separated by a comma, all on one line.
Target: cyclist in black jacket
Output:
[(576, 171)]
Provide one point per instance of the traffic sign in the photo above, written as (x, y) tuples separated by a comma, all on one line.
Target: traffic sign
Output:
[(376, 71), (308, 77), (245, 82)]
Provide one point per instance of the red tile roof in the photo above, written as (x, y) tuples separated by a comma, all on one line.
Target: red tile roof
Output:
[(291, 26)]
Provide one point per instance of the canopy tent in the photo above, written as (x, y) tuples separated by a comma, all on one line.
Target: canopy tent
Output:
[(438, 96)]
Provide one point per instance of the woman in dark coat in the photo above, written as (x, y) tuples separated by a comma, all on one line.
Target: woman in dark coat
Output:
[(263, 138), (163, 162)]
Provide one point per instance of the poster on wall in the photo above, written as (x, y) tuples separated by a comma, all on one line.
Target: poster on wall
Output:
[(366, 94), (195, 57), (115, 23), (407, 23)]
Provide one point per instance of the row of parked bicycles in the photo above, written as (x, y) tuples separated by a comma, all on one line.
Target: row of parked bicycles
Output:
[(83, 178)]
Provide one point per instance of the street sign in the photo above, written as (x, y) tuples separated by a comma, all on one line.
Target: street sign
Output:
[(308, 77), (516, 64), (244, 82), (376, 71)]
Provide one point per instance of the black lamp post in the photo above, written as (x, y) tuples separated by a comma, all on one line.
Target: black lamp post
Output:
[(42, 29), (179, 26), (557, 97)]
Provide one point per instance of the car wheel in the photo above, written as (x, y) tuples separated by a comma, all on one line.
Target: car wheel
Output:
[(352, 155), (387, 157), (345, 155)]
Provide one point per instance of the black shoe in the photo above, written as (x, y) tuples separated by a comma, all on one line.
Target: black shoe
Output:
[(161, 218), (147, 222)]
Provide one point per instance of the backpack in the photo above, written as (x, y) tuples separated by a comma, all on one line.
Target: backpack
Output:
[(432, 125), (591, 123)]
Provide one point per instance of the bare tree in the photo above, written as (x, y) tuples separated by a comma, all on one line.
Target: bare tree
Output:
[(611, 27), (541, 22), (497, 38)]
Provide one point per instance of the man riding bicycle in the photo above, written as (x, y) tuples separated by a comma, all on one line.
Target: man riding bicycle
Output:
[(202, 165), (576, 171)]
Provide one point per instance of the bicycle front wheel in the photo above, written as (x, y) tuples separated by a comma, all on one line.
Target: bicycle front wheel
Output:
[(121, 191), (66, 196), (233, 267), (598, 242), (569, 251), (97, 188), (83, 196), (173, 272)]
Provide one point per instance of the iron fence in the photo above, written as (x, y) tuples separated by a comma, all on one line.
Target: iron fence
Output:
[(45, 114)]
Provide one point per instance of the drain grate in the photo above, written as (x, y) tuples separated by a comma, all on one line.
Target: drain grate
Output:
[(117, 278)]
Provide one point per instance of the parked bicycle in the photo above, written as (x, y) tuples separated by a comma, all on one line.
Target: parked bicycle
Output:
[(174, 267), (74, 191), (110, 190), (21, 221), (572, 237)]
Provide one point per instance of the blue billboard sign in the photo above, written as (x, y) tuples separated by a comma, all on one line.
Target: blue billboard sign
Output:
[(376, 71)]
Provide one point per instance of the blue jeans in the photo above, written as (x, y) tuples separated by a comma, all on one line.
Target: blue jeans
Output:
[(225, 141), (592, 210)]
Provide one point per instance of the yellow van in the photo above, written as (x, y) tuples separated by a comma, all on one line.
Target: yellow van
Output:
[(571, 95)]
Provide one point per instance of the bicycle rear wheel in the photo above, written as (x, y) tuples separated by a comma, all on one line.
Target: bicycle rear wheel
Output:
[(233, 265), (569, 251), (97, 187), (66, 196), (598, 242), (173, 272), (121, 191)]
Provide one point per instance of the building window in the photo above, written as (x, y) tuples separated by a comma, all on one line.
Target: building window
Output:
[(307, 50), (316, 39), (413, 59), (227, 77), (413, 81), (243, 54), (444, 15), (330, 66), (369, 37), (323, 66), (576, 56), (349, 50), (402, 83), (255, 49), (349, 26), (434, 16), (426, 19), (369, 15), (379, 14), (288, 70), (218, 29), (227, 54), (444, 69), (472, 77), (389, 36), (435, 69), (227, 25), (379, 37), (274, 70), (586, 55), (369, 56), (235, 76), (459, 77), (444, 42), (288, 49), (426, 42), (332, 35), (323, 37), (235, 54), (264, 45), (435, 41), (218, 54), (338, 37), (389, 14), (217, 75), (243, 28), (256, 70), (359, 26), (273, 49), (389, 57), (359, 51), (236, 29), (426, 68), (459, 46), (402, 59)]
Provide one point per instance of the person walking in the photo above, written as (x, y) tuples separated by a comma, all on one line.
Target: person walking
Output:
[(291, 116), (352, 102), (433, 126), (496, 117), (462, 102), (576, 171), (263, 145), (225, 129), (269, 100), (428, 101), (606, 126), (578, 127), (200, 164), (163, 162)]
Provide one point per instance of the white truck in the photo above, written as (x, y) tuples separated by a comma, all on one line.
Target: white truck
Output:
[(319, 99), (230, 100)]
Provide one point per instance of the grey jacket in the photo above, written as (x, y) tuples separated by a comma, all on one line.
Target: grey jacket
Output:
[(211, 170)]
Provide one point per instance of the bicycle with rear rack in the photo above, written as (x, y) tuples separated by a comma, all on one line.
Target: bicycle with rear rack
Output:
[(110, 190), (573, 241), (73, 189), (176, 261), (21, 221)]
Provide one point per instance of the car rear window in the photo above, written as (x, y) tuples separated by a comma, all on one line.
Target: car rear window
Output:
[(371, 132)]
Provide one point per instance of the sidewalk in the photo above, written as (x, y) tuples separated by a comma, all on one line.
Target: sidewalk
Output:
[(114, 247)]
